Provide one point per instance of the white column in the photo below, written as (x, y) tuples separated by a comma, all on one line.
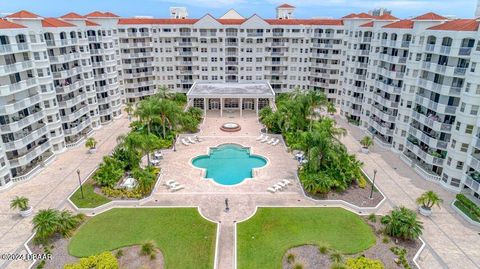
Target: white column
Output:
[(256, 105), (205, 106), (241, 104), (221, 107)]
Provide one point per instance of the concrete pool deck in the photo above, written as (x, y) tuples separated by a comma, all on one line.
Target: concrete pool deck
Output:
[(451, 242)]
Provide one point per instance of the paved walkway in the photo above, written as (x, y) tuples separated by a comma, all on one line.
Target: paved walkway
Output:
[(51, 187), (452, 242)]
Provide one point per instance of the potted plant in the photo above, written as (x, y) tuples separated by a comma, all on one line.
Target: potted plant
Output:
[(91, 144), (366, 143), (21, 202), (426, 201)]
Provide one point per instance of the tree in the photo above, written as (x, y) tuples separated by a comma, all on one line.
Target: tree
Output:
[(91, 143), (129, 108), (145, 179), (366, 142), (67, 222), (19, 202), (402, 223), (45, 224), (429, 199), (168, 112), (109, 172), (331, 108), (148, 111), (164, 92), (363, 263)]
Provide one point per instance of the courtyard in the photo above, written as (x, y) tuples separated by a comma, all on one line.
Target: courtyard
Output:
[(447, 236)]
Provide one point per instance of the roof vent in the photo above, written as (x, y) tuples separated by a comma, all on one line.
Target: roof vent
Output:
[(178, 13)]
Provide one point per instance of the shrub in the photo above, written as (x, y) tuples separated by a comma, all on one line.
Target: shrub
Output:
[(119, 253), (109, 172), (469, 205), (336, 257), (19, 202), (147, 248), (291, 258), (323, 249), (402, 223), (366, 142), (401, 253), (372, 217), (122, 193), (91, 143), (362, 182), (363, 263), (337, 266), (386, 240), (298, 266), (104, 260), (429, 199)]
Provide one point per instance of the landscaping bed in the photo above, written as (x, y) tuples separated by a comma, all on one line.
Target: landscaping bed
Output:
[(265, 238)]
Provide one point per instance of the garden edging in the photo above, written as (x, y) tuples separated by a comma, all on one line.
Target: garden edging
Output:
[(463, 215)]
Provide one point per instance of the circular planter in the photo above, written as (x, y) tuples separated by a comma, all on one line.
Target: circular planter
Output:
[(92, 150), (427, 212), (365, 150), (230, 127), (27, 212)]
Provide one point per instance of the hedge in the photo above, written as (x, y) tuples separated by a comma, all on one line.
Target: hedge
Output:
[(469, 205)]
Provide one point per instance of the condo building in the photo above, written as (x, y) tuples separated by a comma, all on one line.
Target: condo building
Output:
[(411, 84)]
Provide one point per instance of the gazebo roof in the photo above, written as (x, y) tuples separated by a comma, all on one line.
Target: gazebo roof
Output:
[(231, 90)]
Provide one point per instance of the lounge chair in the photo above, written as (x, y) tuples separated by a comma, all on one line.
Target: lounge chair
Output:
[(177, 188), (272, 190), (196, 138), (278, 187), (264, 139), (271, 141), (260, 137), (191, 140), (169, 182), (286, 181), (173, 185), (185, 142), (276, 142), (284, 185)]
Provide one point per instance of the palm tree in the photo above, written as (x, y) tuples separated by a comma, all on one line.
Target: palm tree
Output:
[(147, 111), (366, 142), (429, 199), (168, 112), (45, 223), (91, 143), (402, 223), (19, 202), (67, 222), (164, 92), (129, 109), (314, 100), (331, 108)]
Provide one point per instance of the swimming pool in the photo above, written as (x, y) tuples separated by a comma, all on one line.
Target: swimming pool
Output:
[(229, 164)]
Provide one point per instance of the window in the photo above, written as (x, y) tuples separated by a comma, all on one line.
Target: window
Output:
[(455, 182), (459, 165), (469, 129), (464, 147), (474, 110)]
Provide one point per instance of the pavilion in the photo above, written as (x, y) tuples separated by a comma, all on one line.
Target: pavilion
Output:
[(231, 96)]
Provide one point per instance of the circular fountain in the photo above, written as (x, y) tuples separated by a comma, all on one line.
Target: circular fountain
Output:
[(230, 127)]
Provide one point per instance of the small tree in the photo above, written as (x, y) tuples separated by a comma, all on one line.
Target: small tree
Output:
[(366, 142), (148, 248), (91, 143), (19, 202), (402, 223), (429, 199)]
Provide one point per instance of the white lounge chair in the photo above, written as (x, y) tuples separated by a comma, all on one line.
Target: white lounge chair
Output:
[(191, 140), (272, 190), (173, 185), (260, 137), (284, 185), (276, 142), (286, 181), (264, 139), (177, 188), (278, 187), (196, 138), (185, 142), (169, 182), (271, 141)]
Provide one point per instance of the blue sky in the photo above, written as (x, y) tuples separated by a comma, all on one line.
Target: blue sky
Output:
[(265, 8)]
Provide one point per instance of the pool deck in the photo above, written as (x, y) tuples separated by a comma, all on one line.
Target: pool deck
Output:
[(451, 242)]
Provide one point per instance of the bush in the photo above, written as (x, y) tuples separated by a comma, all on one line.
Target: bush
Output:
[(290, 258), (298, 266), (104, 260), (336, 257), (386, 240), (148, 248), (323, 249), (402, 223), (362, 182), (119, 253), (363, 263), (469, 205), (401, 253), (337, 266), (109, 172), (122, 193), (372, 217)]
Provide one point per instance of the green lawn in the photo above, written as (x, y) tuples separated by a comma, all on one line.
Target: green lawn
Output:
[(185, 238), (264, 239), (91, 199), (465, 210)]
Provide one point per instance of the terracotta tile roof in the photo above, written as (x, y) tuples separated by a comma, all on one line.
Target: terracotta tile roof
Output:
[(368, 24), (457, 25), (156, 21), (231, 21), (98, 14), (286, 6), (403, 24), (386, 16), (72, 15), (4, 24), (91, 23), (23, 14), (429, 17), (110, 14), (304, 22), (53, 22), (358, 16)]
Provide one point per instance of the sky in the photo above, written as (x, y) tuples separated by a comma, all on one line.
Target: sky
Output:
[(264, 8)]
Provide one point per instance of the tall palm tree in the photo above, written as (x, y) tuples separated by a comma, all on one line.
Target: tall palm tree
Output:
[(314, 101), (168, 112), (45, 223), (67, 222), (129, 108), (429, 199), (147, 111), (164, 92)]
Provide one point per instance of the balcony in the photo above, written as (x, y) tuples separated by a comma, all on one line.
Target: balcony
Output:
[(426, 157), (67, 73), (71, 87), (385, 102), (33, 153), (231, 62), (437, 107), (73, 101), (380, 127), (429, 139), (447, 70), (14, 48), (185, 53), (19, 86), (439, 88), (26, 139), (16, 67), (465, 51), (231, 43), (432, 122), (472, 183), (65, 58), (392, 89), (76, 115), (392, 59), (79, 128), (384, 115), (278, 44)]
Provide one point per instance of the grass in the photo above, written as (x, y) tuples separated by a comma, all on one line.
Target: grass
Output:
[(465, 211), (91, 199), (185, 238), (265, 238)]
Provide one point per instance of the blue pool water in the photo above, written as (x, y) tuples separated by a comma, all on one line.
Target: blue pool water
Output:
[(229, 164)]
